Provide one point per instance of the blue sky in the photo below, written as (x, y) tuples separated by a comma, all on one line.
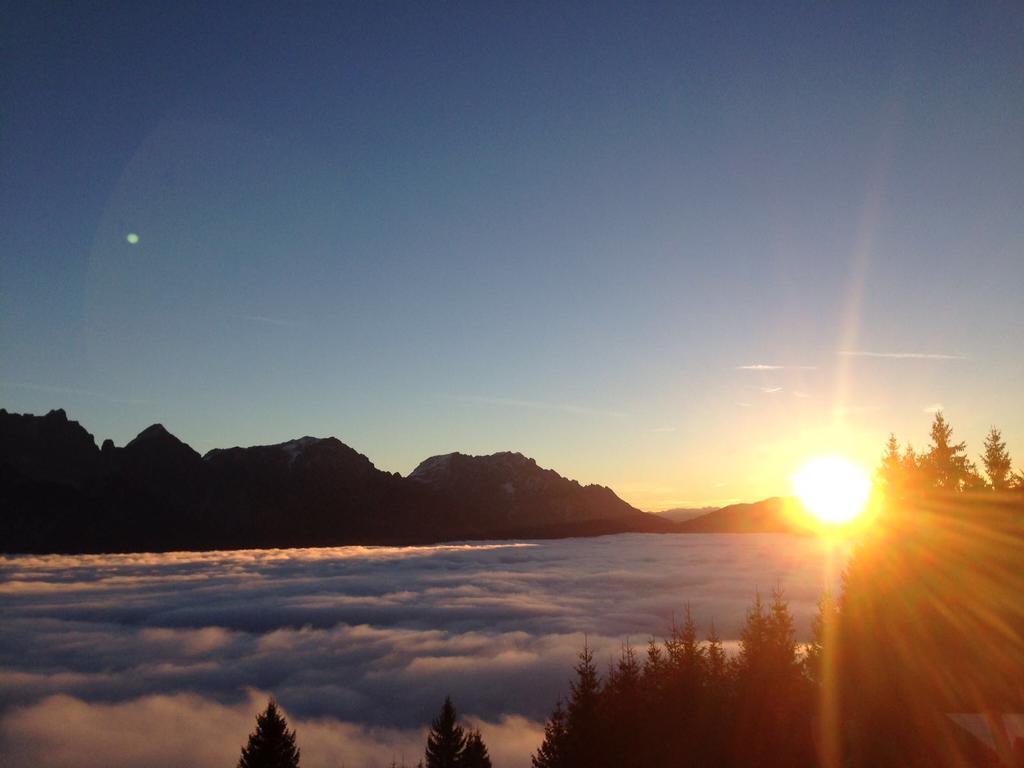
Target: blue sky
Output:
[(560, 229)]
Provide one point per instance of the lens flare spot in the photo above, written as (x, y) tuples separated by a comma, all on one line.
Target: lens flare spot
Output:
[(832, 488), (132, 238)]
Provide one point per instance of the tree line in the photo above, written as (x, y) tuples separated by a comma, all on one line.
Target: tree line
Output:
[(946, 465), (687, 702)]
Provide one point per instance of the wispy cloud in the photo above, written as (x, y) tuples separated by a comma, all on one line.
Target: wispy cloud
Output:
[(797, 393), (538, 405), (902, 355), (771, 390), (71, 391), (933, 408), (657, 430), (743, 405), (767, 367)]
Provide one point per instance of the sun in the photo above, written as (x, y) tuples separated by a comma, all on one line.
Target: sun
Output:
[(834, 489)]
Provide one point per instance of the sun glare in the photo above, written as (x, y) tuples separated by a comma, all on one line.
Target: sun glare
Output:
[(834, 489)]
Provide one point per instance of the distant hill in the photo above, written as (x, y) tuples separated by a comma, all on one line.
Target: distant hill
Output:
[(60, 493), (766, 516), (679, 514)]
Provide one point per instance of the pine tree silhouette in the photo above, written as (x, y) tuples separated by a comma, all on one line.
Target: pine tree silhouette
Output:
[(584, 732), (654, 665), (474, 755), (947, 461), (773, 701), (823, 627), (691, 655), (271, 745), (552, 752), (624, 679), (715, 705), (753, 639), (446, 740), (781, 633), (890, 471), (717, 661), (621, 707), (996, 460)]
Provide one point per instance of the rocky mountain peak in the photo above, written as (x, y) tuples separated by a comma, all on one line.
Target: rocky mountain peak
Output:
[(153, 432)]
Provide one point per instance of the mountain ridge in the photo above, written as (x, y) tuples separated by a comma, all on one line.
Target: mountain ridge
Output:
[(61, 493)]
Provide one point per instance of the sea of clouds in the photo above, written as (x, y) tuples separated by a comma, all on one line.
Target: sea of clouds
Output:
[(163, 659)]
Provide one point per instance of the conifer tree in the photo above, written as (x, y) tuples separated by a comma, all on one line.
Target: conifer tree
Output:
[(652, 712), (585, 688), (767, 653), (620, 708), (446, 740), (781, 633), (684, 658), (996, 460), (654, 666), (552, 752), (715, 713), (271, 745), (629, 665), (890, 471), (753, 638), (773, 701), (691, 653), (474, 755), (673, 644), (625, 675), (582, 747), (717, 662), (822, 636), (947, 461)]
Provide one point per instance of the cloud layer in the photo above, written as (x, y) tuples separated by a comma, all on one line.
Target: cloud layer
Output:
[(359, 644)]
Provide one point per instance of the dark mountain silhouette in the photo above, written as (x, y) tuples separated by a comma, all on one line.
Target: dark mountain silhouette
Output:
[(60, 493), (47, 448), (766, 516), (506, 491), (679, 514)]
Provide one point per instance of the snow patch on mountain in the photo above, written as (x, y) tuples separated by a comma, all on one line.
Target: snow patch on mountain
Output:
[(294, 448)]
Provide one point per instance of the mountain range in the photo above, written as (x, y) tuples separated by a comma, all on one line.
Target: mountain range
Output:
[(679, 514), (60, 493)]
